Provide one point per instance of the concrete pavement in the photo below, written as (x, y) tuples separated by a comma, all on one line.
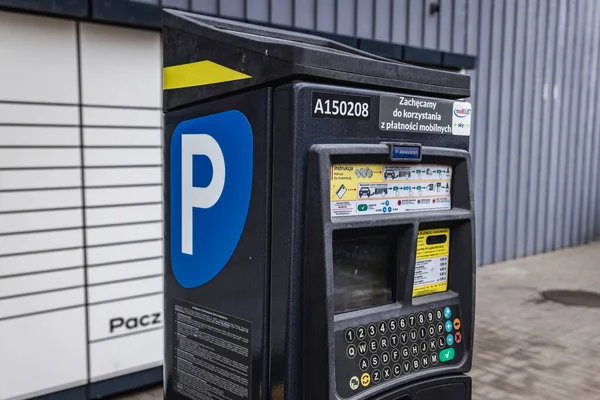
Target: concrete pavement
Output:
[(528, 348)]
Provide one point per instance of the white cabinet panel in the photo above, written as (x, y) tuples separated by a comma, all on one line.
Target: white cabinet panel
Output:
[(117, 157), (40, 178), (125, 337), (44, 199), (95, 116), (124, 214), (120, 290), (19, 158), (38, 114), (118, 318), (122, 176), (41, 220), (122, 137), (38, 262), (125, 233), (17, 306), (121, 66), (42, 352), (126, 354), (38, 136), (39, 55), (20, 285), (120, 196), (26, 242), (124, 252), (128, 270)]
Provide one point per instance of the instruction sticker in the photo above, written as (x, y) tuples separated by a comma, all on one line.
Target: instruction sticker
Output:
[(212, 353), (431, 268), (364, 189), (424, 115)]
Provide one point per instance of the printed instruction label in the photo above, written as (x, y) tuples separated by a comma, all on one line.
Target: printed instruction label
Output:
[(424, 115), (364, 189), (431, 268), (212, 356)]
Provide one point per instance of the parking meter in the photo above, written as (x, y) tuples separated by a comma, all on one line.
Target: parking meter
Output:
[(319, 224)]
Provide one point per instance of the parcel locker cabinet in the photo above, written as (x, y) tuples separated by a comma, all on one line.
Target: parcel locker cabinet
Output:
[(310, 188)]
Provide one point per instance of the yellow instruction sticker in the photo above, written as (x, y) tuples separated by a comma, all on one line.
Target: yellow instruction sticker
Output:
[(431, 268), (389, 188)]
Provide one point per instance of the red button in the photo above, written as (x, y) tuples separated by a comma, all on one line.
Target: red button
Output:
[(458, 337)]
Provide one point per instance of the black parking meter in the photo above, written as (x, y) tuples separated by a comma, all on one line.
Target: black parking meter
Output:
[(319, 237)]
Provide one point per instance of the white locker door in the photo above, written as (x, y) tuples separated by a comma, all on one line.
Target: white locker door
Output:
[(42, 294), (121, 86)]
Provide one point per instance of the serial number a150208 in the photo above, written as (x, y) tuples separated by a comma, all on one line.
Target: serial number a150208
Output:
[(328, 105)]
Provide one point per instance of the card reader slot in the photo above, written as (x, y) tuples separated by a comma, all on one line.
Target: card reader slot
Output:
[(455, 214)]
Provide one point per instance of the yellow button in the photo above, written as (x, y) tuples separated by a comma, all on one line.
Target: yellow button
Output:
[(365, 379), (457, 324)]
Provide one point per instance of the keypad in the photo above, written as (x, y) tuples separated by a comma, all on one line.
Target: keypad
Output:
[(372, 330), (349, 335), (386, 349), (402, 323), (361, 333), (373, 346)]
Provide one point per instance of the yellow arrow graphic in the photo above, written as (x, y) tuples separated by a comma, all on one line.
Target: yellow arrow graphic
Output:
[(198, 74)]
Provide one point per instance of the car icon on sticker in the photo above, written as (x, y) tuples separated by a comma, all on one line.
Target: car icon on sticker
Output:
[(364, 191)]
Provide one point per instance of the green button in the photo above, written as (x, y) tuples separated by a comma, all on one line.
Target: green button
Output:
[(447, 355)]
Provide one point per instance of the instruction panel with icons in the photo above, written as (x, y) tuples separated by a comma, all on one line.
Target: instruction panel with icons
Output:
[(372, 353), (381, 188)]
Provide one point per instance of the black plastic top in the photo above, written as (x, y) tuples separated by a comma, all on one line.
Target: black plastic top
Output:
[(269, 55)]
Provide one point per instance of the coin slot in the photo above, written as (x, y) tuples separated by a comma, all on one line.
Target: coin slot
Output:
[(436, 239)]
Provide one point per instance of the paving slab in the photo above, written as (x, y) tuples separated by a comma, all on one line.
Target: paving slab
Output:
[(528, 348)]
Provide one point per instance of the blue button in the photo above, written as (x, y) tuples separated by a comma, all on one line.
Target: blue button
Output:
[(447, 313), (450, 339), (448, 326), (387, 202), (389, 209)]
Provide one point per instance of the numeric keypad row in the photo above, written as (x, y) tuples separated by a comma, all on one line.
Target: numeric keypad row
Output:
[(392, 325)]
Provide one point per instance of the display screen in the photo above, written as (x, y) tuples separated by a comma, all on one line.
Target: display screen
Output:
[(364, 270)]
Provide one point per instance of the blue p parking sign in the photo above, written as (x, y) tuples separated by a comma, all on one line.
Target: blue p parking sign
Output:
[(211, 183)]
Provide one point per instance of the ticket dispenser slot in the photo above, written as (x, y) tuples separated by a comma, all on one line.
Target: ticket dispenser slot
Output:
[(389, 274)]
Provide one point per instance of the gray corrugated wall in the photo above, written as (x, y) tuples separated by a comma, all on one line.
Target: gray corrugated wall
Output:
[(536, 137), (536, 142), (398, 21)]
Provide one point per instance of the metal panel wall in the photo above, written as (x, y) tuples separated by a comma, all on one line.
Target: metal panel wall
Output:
[(430, 24), (535, 140)]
